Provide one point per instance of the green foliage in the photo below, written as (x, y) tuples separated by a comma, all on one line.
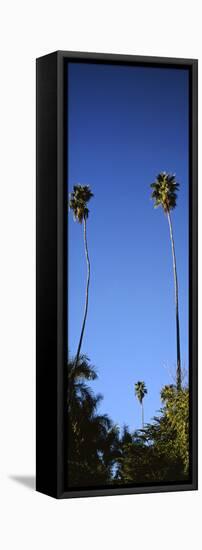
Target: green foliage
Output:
[(92, 437), (78, 200), (140, 390), (99, 455), (159, 452), (164, 191), (176, 410)]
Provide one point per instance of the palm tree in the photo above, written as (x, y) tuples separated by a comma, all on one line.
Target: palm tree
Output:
[(78, 392), (93, 439), (164, 194), (79, 198), (140, 392)]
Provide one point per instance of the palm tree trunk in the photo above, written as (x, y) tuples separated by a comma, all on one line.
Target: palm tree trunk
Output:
[(142, 416), (179, 374), (87, 292)]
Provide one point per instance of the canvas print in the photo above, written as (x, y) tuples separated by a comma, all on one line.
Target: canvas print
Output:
[(128, 275)]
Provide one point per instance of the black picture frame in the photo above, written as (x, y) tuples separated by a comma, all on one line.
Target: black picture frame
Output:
[(51, 272)]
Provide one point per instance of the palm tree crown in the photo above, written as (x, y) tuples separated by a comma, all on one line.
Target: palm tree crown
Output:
[(79, 197), (164, 191), (78, 374), (140, 391)]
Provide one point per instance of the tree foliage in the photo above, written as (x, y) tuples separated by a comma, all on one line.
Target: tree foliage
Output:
[(176, 410), (78, 200), (140, 391), (165, 190), (99, 455), (159, 452), (92, 437)]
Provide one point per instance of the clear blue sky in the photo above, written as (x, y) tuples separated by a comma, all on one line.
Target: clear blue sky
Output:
[(125, 125)]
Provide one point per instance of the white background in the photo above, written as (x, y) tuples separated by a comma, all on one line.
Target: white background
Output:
[(29, 29)]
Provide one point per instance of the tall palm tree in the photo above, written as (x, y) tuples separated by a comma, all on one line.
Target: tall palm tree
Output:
[(140, 392), (79, 198), (164, 194)]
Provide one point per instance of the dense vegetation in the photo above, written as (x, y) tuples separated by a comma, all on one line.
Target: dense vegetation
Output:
[(93, 440), (99, 453)]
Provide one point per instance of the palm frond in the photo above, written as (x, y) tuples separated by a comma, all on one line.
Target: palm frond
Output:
[(78, 200), (165, 189)]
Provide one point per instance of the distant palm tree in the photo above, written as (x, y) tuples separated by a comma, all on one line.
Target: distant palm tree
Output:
[(164, 194), (79, 198), (140, 392)]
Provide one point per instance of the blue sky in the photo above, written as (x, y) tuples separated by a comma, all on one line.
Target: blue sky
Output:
[(125, 125)]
